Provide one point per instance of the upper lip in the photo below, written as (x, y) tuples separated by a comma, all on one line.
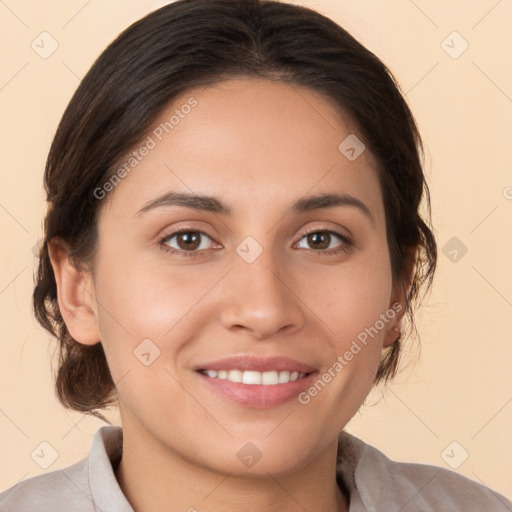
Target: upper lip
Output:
[(258, 364)]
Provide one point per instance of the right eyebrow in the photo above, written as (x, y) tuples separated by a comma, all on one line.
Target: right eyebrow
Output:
[(196, 202)]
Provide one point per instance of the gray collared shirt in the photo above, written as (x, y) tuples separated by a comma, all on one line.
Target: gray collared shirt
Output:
[(374, 483)]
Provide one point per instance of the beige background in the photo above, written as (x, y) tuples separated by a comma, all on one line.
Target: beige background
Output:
[(461, 388)]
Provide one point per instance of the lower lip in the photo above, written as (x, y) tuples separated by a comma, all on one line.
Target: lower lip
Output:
[(258, 396)]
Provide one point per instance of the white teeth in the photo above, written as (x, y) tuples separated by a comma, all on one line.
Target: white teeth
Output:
[(235, 376), (270, 378), (251, 378), (284, 377)]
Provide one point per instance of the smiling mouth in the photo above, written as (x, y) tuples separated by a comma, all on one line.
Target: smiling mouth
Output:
[(250, 377)]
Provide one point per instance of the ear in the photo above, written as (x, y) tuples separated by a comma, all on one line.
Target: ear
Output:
[(75, 295), (399, 297)]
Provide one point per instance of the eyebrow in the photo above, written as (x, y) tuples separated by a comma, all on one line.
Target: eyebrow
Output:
[(214, 205)]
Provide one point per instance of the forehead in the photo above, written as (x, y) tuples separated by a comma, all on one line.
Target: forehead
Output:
[(250, 142)]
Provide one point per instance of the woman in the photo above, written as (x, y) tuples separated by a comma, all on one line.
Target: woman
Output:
[(232, 245)]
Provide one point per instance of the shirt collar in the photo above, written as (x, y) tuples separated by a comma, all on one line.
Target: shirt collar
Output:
[(104, 456)]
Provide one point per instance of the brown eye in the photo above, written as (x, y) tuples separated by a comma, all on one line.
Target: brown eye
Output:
[(320, 240), (325, 240), (187, 241)]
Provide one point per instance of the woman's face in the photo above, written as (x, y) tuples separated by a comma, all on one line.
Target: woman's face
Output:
[(266, 282)]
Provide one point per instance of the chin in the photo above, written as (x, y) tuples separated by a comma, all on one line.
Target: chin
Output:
[(256, 458)]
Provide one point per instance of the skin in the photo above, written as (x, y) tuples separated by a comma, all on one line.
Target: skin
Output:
[(257, 146)]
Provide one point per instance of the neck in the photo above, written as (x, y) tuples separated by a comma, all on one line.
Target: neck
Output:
[(153, 478)]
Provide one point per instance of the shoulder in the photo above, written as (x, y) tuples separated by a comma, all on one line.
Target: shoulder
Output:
[(86, 486), (63, 489), (409, 487)]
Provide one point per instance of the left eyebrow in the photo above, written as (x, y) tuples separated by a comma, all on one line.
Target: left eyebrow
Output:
[(317, 202), (214, 205)]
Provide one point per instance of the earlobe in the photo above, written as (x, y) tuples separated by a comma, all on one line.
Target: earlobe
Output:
[(400, 298), (75, 295), (395, 327), (392, 336)]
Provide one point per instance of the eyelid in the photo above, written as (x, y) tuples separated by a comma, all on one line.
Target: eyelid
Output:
[(346, 238)]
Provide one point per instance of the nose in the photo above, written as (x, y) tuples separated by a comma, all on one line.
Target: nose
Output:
[(258, 299)]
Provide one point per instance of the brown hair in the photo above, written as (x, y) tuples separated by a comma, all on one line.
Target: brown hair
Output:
[(197, 42)]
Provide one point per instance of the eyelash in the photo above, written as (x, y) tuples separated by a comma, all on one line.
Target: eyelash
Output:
[(346, 242)]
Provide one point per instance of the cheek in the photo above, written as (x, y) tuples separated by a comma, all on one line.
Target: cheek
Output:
[(139, 302), (348, 298), (149, 299), (145, 319), (353, 303)]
